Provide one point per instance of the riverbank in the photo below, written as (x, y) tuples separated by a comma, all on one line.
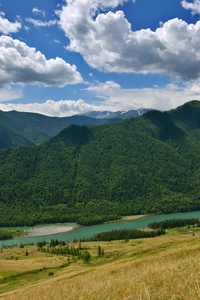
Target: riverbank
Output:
[(131, 218), (127, 218), (48, 230), (56, 229), (61, 228)]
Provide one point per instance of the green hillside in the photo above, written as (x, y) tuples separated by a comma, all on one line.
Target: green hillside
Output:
[(89, 174), (9, 136), (26, 129)]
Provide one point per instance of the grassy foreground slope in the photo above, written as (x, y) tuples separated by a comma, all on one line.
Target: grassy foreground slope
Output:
[(88, 174), (165, 267)]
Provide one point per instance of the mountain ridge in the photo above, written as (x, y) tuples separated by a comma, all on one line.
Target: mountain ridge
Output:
[(25, 128)]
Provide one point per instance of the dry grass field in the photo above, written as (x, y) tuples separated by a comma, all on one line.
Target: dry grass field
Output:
[(165, 267)]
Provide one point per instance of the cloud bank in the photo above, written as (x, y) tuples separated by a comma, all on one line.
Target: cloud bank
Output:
[(113, 97), (62, 108), (107, 42), (162, 98), (21, 64)]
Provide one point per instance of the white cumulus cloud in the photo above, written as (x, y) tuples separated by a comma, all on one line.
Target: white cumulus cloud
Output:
[(193, 6), (107, 42), (21, 64), (104, 87), (7, 27)]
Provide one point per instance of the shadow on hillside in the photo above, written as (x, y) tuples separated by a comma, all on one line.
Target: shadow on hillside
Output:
[(76, 135), (166, 128)]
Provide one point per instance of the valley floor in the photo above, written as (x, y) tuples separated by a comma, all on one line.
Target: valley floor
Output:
[(165, 267)]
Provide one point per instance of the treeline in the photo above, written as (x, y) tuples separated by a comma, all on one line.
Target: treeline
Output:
[(173, 223), (52, 214), (125, 234), (94, 220), (5, 235), (63, 248)]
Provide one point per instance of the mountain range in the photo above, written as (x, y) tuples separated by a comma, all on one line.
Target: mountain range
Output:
[(91, 174), (23, 129), (121, 114)]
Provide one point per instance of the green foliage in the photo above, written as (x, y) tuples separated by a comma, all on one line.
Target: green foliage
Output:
[(174, 223), (125, 234), (40, 244), (93, 174), (86, 256), (100, 251), (5, 235), (61, 248)]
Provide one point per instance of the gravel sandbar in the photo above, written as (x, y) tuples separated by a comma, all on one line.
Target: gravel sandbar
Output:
[(48, 230)]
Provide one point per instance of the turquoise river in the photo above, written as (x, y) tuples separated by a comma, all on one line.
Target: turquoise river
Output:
[(81, 232)]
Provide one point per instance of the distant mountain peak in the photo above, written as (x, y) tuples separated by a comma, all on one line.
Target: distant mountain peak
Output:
[(121, 114)]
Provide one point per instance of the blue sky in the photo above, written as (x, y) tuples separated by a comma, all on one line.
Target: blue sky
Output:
[(67, 57)]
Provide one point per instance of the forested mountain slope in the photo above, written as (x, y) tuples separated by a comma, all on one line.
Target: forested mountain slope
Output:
[(9, 136), (89, 174), (23, 129)]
